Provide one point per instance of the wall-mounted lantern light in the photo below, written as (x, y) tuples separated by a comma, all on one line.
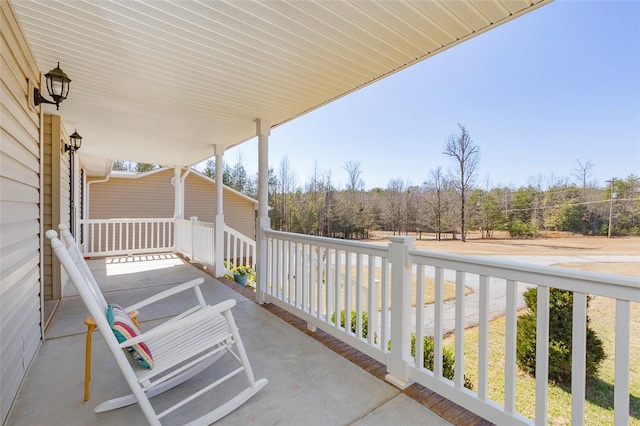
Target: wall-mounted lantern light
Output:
[(76, 142), (57, 86)]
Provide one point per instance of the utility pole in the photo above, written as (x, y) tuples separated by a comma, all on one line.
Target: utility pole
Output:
[(613, 182)]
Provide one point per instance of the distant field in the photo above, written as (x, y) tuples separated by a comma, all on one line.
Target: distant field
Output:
[(555, 244)]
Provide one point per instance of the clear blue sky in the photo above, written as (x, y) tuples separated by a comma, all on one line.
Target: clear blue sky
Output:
[(558, 84)]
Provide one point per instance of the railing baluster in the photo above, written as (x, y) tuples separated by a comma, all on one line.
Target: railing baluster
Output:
[(542, 355), (329, 287), (272, 280), (325, 288), (313, 281), (372, 300), (338, 293), (321, 279), (419, 358), (384, 292), (120, 235), (348, 298), (438, 322), (113, 236), (359, 295), (622, 354), (459, 337), (510, 348), (304, 278), (128, 240), (578, 358), (100, 237), (155, 225), (483, 339), (299, 277), (278, 265), (291, 272)]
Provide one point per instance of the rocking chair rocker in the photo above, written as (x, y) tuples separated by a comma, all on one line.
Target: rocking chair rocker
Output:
[(180, 347)]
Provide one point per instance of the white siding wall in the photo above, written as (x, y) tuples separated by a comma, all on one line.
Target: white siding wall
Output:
[(20, 219)]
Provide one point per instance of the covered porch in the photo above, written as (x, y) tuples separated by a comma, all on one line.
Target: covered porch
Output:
[(308, 280), (231, 72), (307, 380)]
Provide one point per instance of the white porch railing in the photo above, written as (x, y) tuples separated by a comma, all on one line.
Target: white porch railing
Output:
[(240, 250), (108, 237), (195, 239), (315, 277)]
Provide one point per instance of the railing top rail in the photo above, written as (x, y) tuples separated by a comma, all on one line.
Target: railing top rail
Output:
[(137, 219), (204, 224), (609, 285), (355, 246), (232, 231)]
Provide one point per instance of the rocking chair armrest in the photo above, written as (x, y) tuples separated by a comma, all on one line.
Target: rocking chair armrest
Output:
[(164, 294), (181, 324)]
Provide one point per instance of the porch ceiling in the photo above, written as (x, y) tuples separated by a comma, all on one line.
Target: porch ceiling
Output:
[(164, 81)]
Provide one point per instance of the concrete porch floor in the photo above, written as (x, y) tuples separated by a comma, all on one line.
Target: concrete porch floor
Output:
[(308, 383)]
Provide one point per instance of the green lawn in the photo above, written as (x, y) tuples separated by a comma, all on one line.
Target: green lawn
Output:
[(599, 404)]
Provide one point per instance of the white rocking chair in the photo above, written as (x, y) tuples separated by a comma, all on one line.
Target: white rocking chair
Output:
[(181, 347)]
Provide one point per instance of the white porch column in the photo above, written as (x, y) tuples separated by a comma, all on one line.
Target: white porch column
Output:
[(400, 310), (178, 211), (263, 129), (219, 224)]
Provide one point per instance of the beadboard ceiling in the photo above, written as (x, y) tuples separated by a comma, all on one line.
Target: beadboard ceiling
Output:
[(162, 81)]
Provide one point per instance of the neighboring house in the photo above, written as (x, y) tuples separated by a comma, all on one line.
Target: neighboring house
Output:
[(151, 195)]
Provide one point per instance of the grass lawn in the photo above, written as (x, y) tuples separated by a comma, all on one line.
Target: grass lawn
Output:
[(599, 404)]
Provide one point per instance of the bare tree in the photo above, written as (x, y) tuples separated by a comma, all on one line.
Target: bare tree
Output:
[(354, 173), (395, 206), (583, 172), (467, 155), (437, 186), (287, 185), (350, 207)]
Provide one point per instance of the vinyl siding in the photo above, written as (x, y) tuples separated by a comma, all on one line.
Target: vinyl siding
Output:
[(56, 198), (152, 196), (20, 259)]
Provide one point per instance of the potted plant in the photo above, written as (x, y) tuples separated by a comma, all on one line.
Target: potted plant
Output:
[(241, 274)]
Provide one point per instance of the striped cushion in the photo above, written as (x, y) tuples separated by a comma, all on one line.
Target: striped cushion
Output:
[(124, 329)]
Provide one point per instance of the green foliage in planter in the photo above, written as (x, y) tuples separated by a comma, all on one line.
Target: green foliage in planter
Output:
[(245, 270), (560, 337)]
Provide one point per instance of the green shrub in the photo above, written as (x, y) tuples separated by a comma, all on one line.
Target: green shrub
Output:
[(519, 229), (560, 337), (448, 359), (343, 320)]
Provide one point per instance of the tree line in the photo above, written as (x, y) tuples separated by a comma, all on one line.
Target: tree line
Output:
[(447, 202)]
